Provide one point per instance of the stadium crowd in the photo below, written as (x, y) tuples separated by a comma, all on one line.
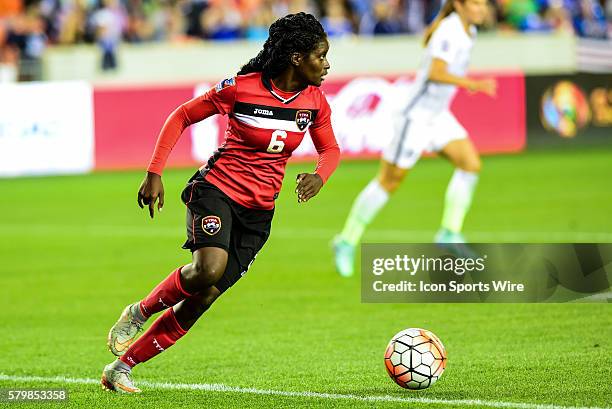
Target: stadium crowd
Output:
[(27, 27)]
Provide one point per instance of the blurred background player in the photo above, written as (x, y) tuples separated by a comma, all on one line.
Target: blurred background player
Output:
[(425, 123), (272, 102)]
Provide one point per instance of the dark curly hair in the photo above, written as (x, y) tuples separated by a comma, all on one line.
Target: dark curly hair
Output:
[(300, 32)]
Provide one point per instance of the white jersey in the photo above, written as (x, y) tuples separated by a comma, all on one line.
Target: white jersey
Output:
[(451, 43)]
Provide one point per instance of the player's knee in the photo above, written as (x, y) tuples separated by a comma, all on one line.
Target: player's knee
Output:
[(206, 272), (390, 184), (472, 165)]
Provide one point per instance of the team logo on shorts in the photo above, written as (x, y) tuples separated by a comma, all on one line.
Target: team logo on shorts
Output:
[(211, 225), (303, 118)]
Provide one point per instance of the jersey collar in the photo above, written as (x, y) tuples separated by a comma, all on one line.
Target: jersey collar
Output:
[(268, 84)]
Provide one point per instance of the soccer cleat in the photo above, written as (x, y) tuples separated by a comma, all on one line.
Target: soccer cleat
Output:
[(124, 332), (118, 378), (445, 236), (344, 255), (455, 244)]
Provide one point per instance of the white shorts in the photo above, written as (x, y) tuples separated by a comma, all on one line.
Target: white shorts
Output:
[(414, 135)]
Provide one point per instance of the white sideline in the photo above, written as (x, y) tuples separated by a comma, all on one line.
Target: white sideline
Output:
[(215, 387)]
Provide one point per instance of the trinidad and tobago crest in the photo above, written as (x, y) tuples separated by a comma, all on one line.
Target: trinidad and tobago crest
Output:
[(211, 225), (303, 118)]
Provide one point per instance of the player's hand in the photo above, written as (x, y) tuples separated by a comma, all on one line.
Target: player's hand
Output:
[(487, 86), (308, 185), (151, 191)]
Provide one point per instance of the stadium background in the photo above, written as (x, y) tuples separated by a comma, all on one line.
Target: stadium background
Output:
[(75, 248)]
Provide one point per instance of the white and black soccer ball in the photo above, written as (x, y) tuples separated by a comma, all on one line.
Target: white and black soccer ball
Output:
[(415, 358)]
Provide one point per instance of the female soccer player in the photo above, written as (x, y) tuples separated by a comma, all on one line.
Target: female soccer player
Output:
[(426, 124), (271, 103)]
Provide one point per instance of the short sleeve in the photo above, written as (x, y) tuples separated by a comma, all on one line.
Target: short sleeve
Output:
[(223, 95), (442, 45)]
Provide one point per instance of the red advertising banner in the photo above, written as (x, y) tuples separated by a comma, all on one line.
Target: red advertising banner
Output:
[(496, 125), (128, 120)]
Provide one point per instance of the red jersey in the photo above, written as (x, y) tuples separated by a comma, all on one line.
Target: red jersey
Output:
[(265, 126)]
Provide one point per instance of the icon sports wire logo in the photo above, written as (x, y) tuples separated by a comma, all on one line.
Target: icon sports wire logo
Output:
[(414, 265), (491, 272)]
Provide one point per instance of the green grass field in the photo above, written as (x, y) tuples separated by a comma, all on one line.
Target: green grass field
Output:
[(75, 250)]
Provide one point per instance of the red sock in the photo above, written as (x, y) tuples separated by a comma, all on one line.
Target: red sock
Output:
[(167, 293), (164, 332)]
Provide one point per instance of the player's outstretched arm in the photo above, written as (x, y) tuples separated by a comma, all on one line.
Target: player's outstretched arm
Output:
[(439, 73), (151, 190)]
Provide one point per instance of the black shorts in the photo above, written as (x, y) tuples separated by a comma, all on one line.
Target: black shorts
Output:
[(215, 220)]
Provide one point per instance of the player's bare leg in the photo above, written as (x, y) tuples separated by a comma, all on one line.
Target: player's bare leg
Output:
[(391, 176), (206, 268), (367, 205), (194, 281), (464, 157)]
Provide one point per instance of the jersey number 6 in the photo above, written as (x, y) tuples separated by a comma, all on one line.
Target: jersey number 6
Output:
[(276, 143)]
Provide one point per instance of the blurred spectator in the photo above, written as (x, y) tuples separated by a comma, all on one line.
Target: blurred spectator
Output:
[(222, 20), (192, 11), (169, 21), (588, 18), (10, 8), (72, 19), (387, 16), (524, 15), (8, 56), (28, 26), (25, 42), (139, 23), (110, 22), (415, 15), (260, 20), (336, 18), (295, 6), (556, 15)]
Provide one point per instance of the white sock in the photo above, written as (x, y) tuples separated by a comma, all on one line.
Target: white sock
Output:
[(365, 208), (137, 314), (119, 365), (458, 199)]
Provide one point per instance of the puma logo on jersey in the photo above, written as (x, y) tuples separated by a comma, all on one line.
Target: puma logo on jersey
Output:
[(263, 112), (159, 347), (163, 303)]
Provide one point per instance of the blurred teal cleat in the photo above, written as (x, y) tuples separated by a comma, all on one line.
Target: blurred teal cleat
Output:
[(455, 244), (344, 255), (445, 236)]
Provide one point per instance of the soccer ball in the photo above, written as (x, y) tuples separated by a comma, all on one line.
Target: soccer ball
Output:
[(415, 358)]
